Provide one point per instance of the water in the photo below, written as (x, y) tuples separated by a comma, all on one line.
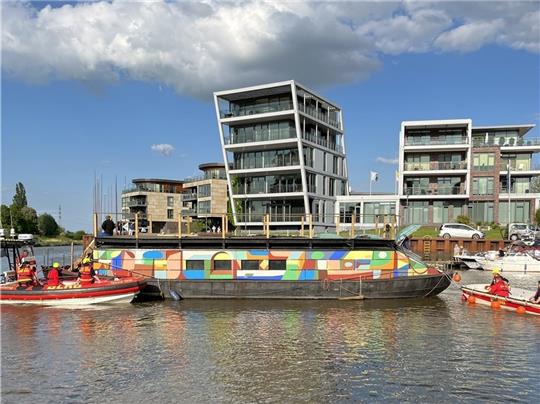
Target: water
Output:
[(424, 350)]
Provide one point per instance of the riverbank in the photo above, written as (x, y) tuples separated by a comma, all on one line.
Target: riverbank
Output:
[(57, 241)]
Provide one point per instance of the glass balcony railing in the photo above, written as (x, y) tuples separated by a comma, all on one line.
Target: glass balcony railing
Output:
[(434, 190), (269, 189), (247, 110), (283, 162), (322, 141), (514, 190), (436, 165), (189, 196), (265, 136), (492, 142), (320, 115), (135, 203), (423, 141)]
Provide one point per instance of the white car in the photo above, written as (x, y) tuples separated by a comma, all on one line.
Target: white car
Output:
[(454, 230)]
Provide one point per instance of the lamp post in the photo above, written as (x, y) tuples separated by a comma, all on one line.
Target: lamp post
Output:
[(508, 189)]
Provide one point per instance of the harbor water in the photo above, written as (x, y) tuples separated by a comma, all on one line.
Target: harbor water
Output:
[(425, 350)]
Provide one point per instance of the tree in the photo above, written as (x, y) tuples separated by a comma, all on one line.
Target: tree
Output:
[(29, 220), (5, 217), (463, 219), (537, 216), (19, 199), (47, 225)]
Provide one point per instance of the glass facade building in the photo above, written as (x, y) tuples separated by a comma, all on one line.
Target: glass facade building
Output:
[(283, 146)]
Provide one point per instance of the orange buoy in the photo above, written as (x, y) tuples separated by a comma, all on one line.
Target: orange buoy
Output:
[(495, 304), (521, 310), (471, 300), (457, 277)]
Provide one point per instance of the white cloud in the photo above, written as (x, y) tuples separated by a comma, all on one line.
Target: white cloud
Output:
[(200, 47), (385, 160), (163, 148)]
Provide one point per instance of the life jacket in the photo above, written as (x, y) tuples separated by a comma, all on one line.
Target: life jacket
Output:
[(53, 278), (24, 274), (86, 274), (500, 288)]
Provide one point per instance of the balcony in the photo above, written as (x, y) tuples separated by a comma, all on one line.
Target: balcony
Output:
[(261, 137), (502, 142), (321, 141), (189, 196), (422, 141), (255, 109), (436, 165), (137, 203), (434, 190), (318, 114), (270, 189)]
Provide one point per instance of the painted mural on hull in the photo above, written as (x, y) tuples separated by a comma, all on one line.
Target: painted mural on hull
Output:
[(263, 265)]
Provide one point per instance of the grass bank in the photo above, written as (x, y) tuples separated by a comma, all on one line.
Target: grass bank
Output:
[(42, 241), (492, 234)]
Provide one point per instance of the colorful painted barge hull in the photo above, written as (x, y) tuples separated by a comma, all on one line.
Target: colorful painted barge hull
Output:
[(271, 268)]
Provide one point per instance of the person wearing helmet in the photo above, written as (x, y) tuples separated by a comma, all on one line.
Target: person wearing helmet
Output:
[(86, 273), (499, 285), (53, 277), (24, 274)]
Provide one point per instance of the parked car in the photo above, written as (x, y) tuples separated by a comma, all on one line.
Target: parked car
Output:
[(519, 231), (452, 230)]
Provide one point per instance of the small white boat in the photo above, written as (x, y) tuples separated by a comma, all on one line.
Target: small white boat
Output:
[(518, 298), (520, 262), (470, 261)]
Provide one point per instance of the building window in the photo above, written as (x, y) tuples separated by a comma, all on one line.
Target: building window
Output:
[(277, 265), (482, 186), (250, 265), (195, 264), (481, 212), (519, 212), (170, 201), (331, 186), (203, 190), (170, 213), (335, 165), (324, 161), (483, 161)]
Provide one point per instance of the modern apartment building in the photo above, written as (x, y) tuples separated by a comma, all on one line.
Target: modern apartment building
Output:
[(160, 202), (206, 195), (284, 150), (157, 201), (450, 168)]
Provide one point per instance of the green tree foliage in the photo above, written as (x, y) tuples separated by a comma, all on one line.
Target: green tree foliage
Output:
[(463, 219), (535, 184), (47, 225), (5, 217), (29, 220), (537, 216), (19, 199)]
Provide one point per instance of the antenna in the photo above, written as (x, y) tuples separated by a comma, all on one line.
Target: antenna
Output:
[(60, 215)]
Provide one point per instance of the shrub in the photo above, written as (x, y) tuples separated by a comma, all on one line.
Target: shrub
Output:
[(463, 219)]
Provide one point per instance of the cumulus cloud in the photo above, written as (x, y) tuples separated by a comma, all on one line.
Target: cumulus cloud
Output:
[(163, 148), (200, 47), (385, 160)]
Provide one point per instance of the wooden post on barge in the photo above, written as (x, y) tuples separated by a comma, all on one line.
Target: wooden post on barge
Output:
[(310, 222), (267, 220), (137, 225), (71, 254), (353, 223), (302, 219), (179, 225), (95, 225), (223, 228), (337, 224), (150, 224)]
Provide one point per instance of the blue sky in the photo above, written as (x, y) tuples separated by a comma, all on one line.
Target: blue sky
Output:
[(64, 122)]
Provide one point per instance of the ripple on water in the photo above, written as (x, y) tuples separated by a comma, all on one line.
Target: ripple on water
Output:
[(272, 351)]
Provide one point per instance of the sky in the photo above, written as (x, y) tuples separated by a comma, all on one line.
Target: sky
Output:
[(121, 90)]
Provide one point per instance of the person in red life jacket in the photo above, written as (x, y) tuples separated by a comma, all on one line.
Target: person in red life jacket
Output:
[(53, 276), (24, 274), (499, 285), (87, 275)]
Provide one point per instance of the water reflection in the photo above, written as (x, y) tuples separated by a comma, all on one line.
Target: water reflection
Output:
[(271, 351)]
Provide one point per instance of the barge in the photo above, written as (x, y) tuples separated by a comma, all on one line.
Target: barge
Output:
[(271, 268)]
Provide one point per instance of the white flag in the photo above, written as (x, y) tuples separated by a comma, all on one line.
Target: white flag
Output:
[(374, 176)]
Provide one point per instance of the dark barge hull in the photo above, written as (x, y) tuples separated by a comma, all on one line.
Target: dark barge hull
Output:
[(422, 286)]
